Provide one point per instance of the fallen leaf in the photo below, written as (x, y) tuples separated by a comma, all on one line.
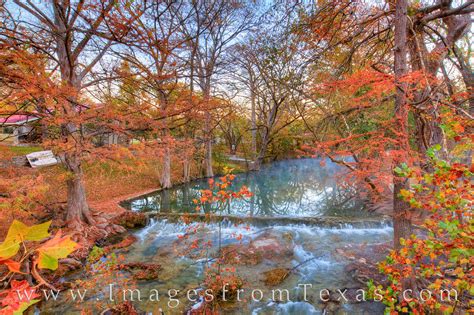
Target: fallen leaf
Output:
[(54, 249)]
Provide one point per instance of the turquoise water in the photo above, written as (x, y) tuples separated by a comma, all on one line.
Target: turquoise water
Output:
[(308, 223), (286, 188)]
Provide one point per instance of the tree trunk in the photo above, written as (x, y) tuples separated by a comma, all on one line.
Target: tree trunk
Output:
[(253, 121), (270, 122), (186, 199), (187, 159), (401, 219), (165, 201), (261, 154), (186, 170), (208, 154), (468, 78), (165, 178), (428, 130), (77, 207), (208, 136)]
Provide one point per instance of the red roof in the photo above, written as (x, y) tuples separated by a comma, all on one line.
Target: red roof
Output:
[(16, 119)]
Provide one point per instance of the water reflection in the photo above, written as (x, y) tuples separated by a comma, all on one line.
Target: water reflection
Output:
[(312, 251), (287, 188)]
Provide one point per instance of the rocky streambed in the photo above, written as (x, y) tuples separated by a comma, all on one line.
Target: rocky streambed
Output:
[(301, 245)]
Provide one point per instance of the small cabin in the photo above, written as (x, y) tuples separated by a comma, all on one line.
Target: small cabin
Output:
[(16, 129)]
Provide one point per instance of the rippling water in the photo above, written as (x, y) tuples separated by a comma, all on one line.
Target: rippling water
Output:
[(315, 245), (289, 189), (286, 188)]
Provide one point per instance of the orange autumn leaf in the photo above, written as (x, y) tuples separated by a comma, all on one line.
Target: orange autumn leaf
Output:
[(54, 249), (13, 266)]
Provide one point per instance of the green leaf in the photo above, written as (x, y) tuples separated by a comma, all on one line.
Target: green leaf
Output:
[(20, 232), (430, 152), (24, 306), (17, 232), (443, 225), (455, 253), (398, 171), (8, 249), (54, 249), (38, 232)]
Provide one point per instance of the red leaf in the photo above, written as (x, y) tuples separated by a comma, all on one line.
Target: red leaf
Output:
[(19, 293), (12, 265)]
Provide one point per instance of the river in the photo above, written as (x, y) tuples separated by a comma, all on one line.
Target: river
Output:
[(306, 219)]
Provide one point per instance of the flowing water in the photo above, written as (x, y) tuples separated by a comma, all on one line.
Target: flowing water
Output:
[(288, 196), (287, 188)]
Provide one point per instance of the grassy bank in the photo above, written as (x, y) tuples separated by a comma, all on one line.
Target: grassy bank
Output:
[(107, 182)]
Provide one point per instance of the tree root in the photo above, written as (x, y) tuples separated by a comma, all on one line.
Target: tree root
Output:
[(71, 263), (87, 235)]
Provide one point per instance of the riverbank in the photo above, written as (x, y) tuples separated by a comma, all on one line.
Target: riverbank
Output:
[(107, 184)]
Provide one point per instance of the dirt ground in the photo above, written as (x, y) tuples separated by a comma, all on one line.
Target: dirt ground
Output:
[(106, 183)]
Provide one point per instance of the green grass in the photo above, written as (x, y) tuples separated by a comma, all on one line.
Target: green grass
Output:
[(24, 150)]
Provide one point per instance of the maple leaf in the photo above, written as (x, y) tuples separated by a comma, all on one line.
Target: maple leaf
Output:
[(18, 298), (38, 232), (8, 249), (18, 233), (54, 249)]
